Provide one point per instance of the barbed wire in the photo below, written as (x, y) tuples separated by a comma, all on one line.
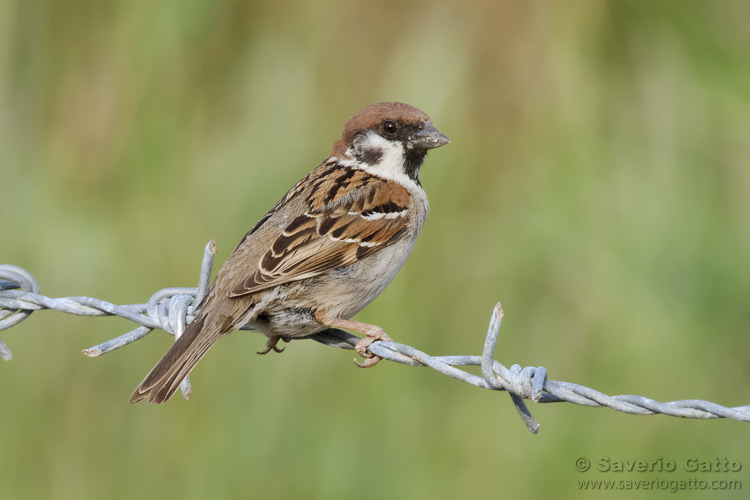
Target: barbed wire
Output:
[(171, 309)]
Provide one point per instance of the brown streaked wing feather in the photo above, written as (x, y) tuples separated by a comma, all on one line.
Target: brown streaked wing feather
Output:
[(341, 226)]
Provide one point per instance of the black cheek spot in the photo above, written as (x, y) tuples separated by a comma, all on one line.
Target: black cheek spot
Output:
[(370, 156)]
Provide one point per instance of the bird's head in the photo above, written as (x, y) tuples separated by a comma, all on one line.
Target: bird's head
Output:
[(388, 139)]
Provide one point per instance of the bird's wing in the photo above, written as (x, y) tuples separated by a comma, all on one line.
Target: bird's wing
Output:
[(349, 215)]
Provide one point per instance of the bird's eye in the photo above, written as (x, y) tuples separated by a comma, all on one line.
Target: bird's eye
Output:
[(390, 127)]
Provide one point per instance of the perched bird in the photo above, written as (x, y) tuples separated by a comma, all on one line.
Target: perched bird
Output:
[(324, 252)]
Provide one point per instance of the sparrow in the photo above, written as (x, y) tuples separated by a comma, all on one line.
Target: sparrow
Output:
[(323, 252)]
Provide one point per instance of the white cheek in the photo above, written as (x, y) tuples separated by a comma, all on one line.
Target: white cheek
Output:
[(391, 163)]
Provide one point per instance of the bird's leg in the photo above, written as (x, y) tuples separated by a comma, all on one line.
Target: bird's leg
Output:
[(372, 333), (271, 344)]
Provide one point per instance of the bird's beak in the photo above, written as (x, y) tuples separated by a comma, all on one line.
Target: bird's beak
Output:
[(428, 138)]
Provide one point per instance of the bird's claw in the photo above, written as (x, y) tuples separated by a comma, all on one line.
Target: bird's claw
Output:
[(271, 344), (370, 359)]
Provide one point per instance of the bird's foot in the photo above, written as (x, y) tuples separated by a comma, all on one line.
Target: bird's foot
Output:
[(271, 344), (361, 348), (372, 333)]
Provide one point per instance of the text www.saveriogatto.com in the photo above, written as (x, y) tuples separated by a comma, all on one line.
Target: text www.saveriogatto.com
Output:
[(673, 475)]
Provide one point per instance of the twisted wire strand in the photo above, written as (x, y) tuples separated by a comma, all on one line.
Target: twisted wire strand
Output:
[(171, 309)]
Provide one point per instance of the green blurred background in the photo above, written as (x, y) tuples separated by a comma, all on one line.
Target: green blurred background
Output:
[(597, 184)]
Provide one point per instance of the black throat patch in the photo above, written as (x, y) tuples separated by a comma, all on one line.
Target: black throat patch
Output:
[(414, 159)]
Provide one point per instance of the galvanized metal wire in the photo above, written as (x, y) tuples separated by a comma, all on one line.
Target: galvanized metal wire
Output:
[(171, 309)]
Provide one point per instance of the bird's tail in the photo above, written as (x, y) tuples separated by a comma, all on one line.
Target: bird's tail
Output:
[(164, 378)]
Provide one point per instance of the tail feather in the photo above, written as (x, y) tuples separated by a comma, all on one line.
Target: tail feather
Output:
[(164, 378)]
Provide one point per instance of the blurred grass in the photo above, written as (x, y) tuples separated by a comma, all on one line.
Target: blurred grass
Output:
[(597, 184)]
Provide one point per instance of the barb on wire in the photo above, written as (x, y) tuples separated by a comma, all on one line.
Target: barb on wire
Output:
[(171, 309)]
